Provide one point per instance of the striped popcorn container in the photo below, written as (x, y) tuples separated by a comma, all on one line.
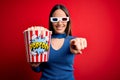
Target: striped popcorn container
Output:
[(37, 43)]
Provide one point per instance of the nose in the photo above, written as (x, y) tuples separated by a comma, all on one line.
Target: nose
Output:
[(59, 22)]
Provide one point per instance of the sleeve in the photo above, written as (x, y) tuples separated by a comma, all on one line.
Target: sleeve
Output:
[(72, 37)]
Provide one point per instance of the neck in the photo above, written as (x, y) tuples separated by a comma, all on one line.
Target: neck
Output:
[(59, 35)]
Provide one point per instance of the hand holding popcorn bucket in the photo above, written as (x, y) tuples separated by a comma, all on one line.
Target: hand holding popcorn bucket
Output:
[(37, 43)]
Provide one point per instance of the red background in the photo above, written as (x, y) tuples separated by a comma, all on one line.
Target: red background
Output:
[(96, 20)]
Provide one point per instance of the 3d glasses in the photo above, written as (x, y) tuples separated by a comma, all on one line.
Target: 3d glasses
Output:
[(57, 19)]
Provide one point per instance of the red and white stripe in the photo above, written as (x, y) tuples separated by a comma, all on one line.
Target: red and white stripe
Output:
[(43, 57)]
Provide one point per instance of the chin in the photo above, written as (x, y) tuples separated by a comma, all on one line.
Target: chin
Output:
[(60, 32)]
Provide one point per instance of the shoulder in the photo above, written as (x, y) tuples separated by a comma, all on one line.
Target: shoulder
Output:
[(70, 37)]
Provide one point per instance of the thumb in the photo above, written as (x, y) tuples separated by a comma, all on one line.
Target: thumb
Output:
[(72, 42)]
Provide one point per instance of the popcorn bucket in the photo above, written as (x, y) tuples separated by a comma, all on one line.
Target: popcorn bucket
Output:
[(37, 43)]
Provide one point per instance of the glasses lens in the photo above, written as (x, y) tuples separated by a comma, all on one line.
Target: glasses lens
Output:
[(64, 19), (55, 19)]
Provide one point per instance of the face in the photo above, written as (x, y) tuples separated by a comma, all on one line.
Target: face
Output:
[(60, 26)]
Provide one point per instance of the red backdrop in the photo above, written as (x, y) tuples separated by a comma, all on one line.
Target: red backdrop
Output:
[(96, 20)]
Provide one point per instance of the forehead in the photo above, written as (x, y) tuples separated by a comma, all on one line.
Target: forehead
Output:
[(59, 13)]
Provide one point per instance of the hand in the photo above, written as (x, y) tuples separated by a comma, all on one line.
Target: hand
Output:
[(78, 44), (35, 64)]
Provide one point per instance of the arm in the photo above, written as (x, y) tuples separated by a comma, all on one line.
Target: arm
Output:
[(78, 44)]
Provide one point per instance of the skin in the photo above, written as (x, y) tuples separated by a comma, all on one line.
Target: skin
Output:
[(59, 28)]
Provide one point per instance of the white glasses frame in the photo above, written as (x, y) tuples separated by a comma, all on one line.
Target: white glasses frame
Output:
[(59, 19)]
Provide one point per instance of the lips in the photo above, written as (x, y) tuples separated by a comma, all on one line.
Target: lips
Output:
[(59, 27)]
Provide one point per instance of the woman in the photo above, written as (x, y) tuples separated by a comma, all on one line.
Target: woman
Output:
[(63, 47)]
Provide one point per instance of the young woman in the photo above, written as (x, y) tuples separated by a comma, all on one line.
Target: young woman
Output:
[(63, 47)]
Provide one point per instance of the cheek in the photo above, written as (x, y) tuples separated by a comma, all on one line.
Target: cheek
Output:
[(65, 24), (54, 24)]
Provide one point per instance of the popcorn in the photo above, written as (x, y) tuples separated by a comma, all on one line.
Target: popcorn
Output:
[(37, 43)]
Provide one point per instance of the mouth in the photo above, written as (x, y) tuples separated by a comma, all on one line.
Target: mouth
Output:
[(59, 27)]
